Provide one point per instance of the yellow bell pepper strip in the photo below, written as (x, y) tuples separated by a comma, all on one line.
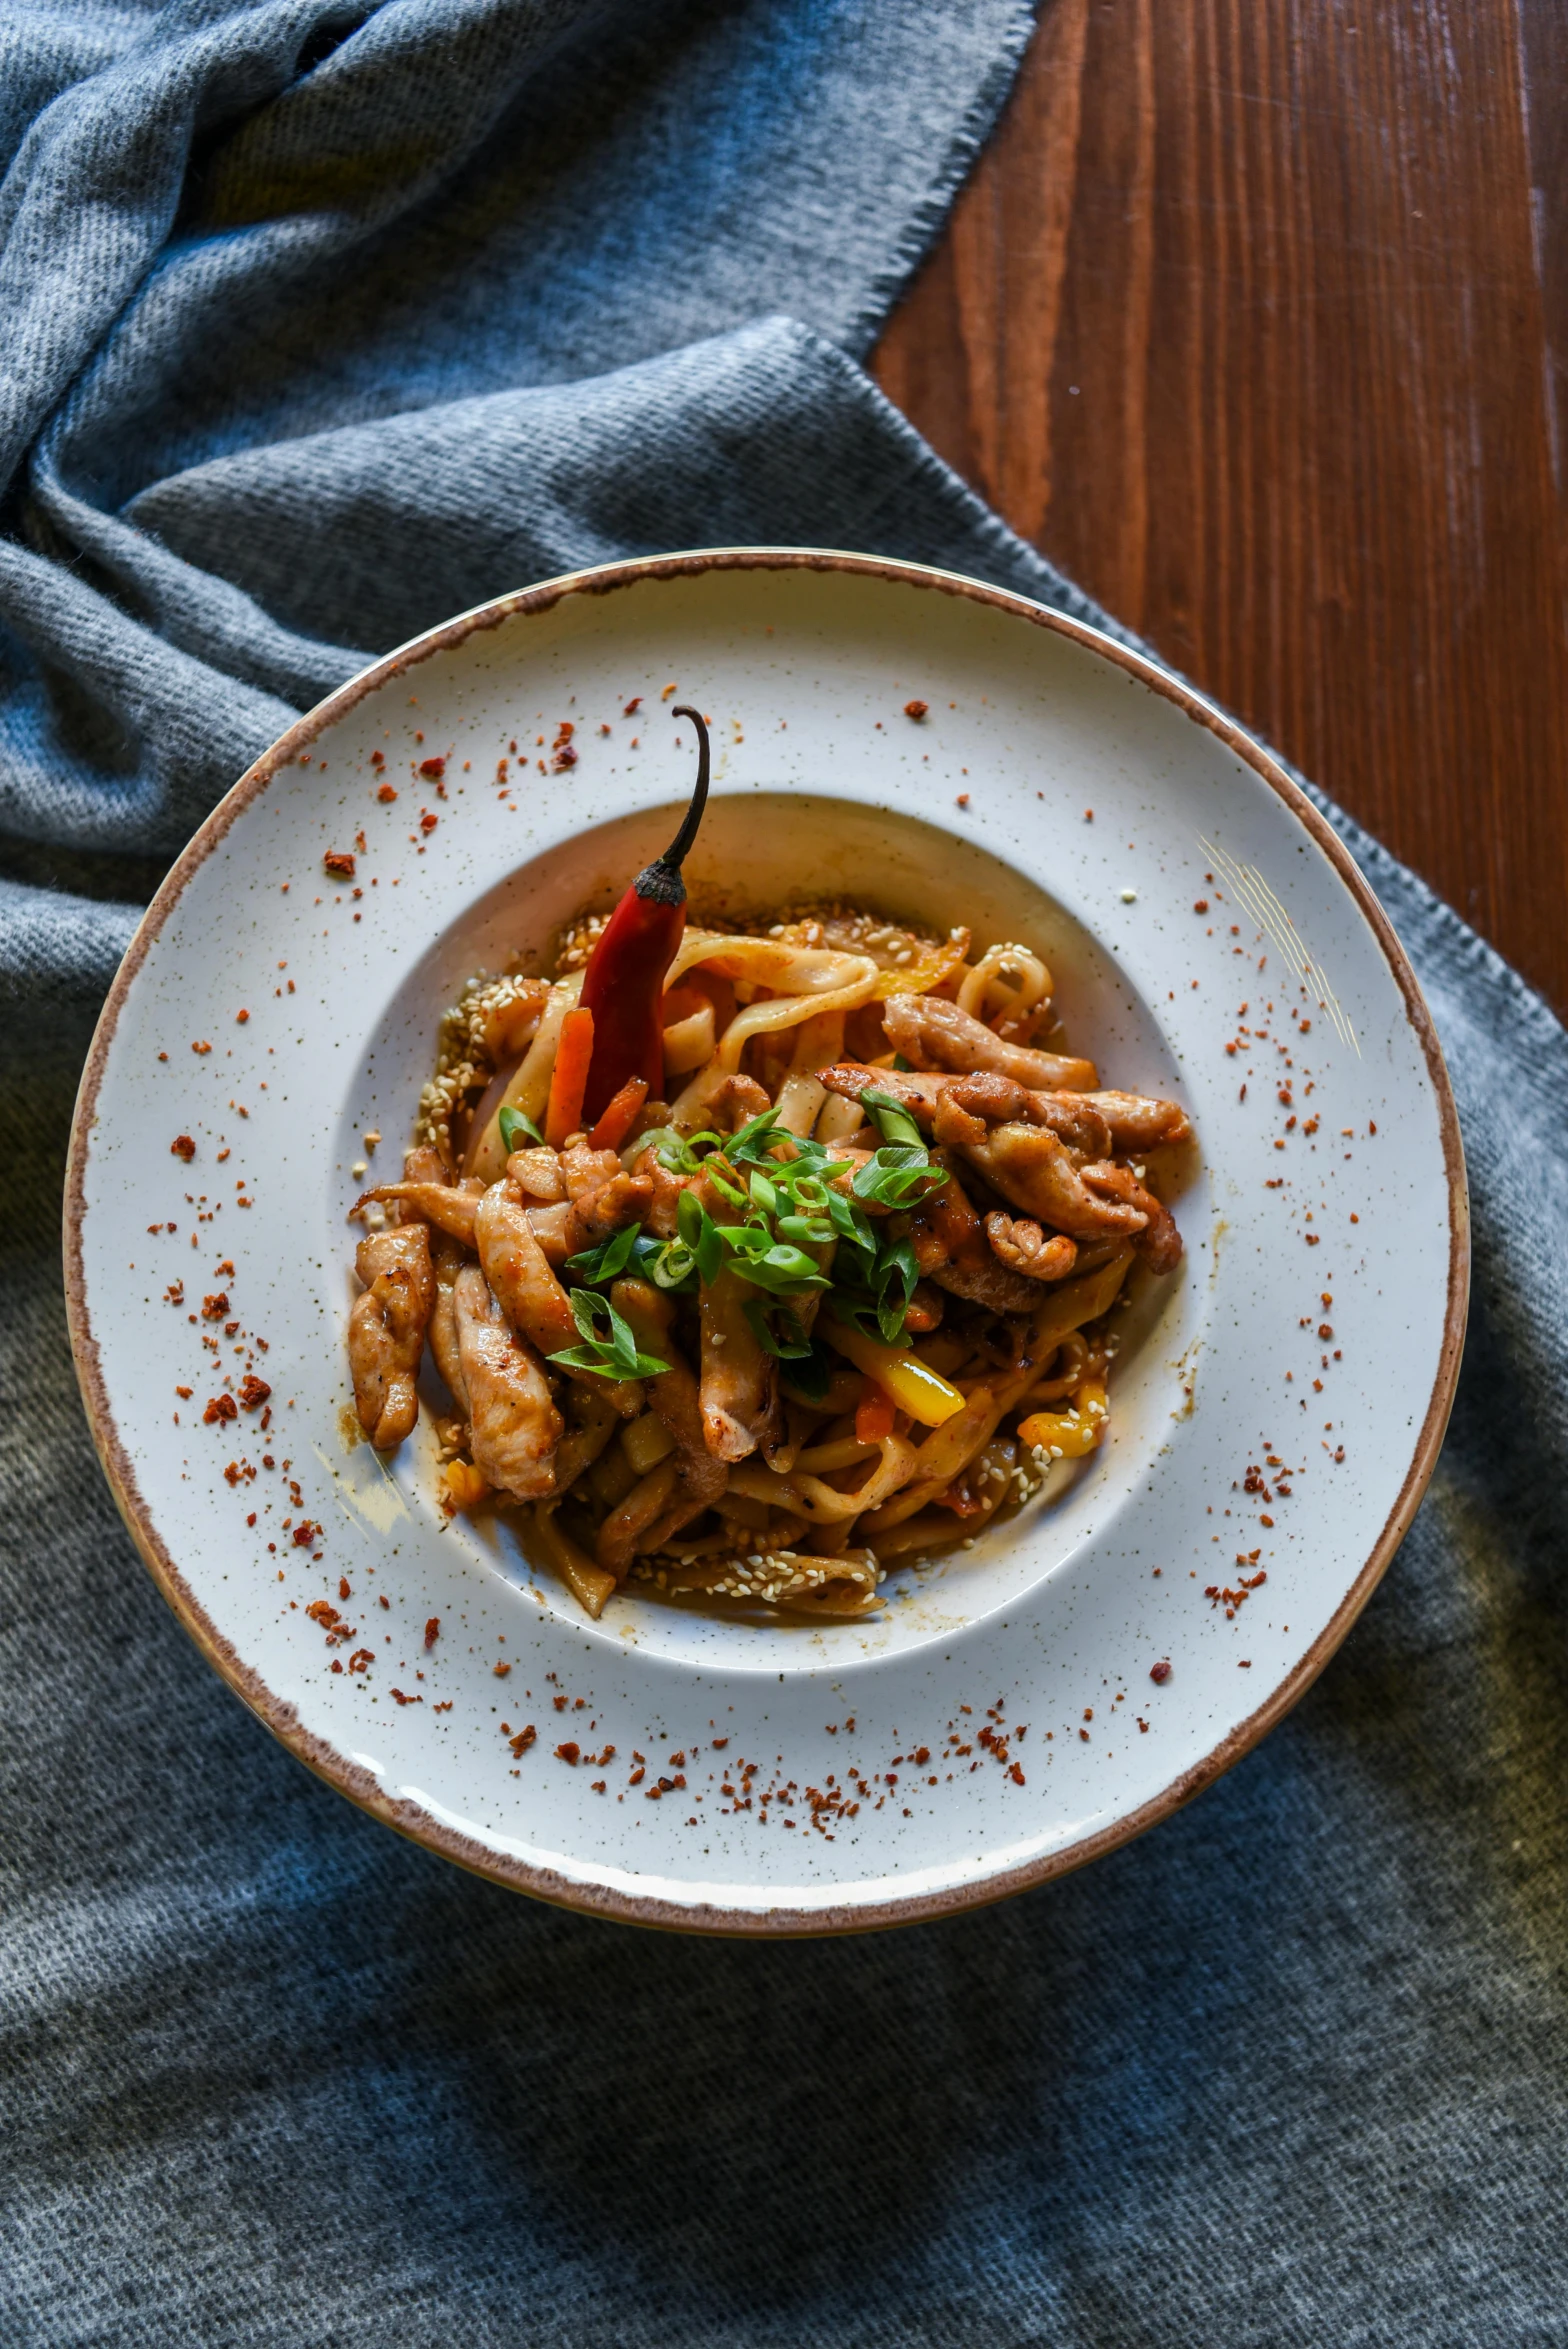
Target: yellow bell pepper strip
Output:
[(1068, 1435), (913, 1386)]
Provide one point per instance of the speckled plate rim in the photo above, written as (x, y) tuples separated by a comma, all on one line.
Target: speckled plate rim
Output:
[(410, 1819)]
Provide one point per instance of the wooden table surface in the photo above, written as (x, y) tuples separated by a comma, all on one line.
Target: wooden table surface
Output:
[(1254, 317)]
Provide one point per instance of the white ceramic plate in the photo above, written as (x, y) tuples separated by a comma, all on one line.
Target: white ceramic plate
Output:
[(998, 1722)]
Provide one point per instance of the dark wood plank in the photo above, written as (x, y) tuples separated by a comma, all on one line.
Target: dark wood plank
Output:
[(1255, 318)]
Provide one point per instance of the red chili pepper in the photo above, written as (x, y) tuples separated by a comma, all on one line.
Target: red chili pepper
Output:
[(623, 985)]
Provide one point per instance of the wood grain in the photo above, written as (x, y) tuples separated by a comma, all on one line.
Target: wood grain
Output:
[(1254, 317)]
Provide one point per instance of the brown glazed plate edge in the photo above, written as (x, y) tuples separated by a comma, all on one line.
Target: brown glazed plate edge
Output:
[(409, 1819)]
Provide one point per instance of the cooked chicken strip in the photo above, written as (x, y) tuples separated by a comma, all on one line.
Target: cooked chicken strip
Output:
[(664, 1190), (448, 1206), (718, 1100), (549, 1228), (983, 1094), (1159, 1244), (422, 1164), (514, 1264), (608, 1208), (1003, 1101), (951, 1248), (447, 1257), (386, 1330), (1137, 1122), (583, 1170), (532, 1299), (741, 1404), (1032, 1169), (515, 1425), (929, 1028), (537, 1172), (992, 1284), (1024, 1248)]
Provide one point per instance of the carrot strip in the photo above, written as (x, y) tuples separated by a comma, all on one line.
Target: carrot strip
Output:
[(873, 1414), (564, 1115), (621, 1114)]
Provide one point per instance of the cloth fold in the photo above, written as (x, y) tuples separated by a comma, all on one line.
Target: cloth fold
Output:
[(325, 321)]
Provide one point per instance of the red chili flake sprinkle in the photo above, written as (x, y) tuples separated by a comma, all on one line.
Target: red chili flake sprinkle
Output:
[(568, 1752), (1083, 1733), (378, 758), (1200, 905), (916, 710), (1161, 1671), (220, 1407), (522, 1741), (213, 1308), (432, 1631), (428, 822), (400, 1699), (253, 1391), (1325, 1330), (386, 793), (182, 1147), (633, 706), (636, 1776), (718, 1743), (240, 1017), (305, 1533), (338, 860), (343, 1589), (501, 1670), (200, 1049), (1016, 1775), (564, 757), (362, 1659), (432, 769)]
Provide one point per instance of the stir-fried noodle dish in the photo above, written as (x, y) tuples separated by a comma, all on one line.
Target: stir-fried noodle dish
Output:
[(756, 1259)]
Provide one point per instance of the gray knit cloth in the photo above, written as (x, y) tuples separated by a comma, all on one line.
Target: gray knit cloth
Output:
[(321, 320)]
